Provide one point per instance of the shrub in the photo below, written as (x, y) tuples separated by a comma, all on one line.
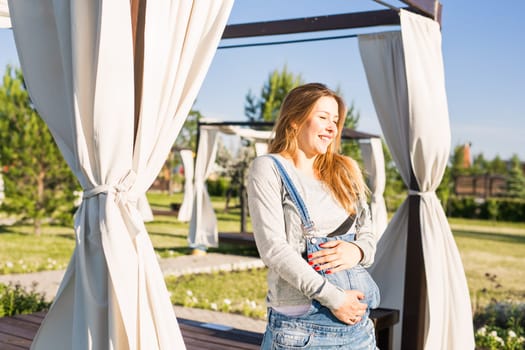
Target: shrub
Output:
[(14, 300), (218, 187), (490, 209), (504, 209), (500, 325)]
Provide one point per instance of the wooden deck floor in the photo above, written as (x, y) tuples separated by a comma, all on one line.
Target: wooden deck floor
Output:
[(17, 333)]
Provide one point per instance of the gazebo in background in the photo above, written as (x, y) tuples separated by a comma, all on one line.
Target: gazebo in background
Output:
[(76, 55), (196, 206)]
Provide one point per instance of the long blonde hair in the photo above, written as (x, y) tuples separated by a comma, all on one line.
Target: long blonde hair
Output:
[(340, 173)]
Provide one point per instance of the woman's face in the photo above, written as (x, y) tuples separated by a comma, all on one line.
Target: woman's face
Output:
[(320, 128)]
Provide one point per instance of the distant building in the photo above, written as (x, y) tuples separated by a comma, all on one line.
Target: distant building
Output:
[(481, 186), (467, 157)]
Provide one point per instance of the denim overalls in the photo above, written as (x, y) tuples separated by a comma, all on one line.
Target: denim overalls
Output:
[(318, 328)]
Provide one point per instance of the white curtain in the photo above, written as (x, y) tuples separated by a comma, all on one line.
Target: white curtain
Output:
[(187, 201), (77, 58), (261, 148), (203, 223), (5, 20), (406, 79), (144, 208), (374, 163)]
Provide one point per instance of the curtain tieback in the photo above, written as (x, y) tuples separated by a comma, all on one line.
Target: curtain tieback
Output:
[(422, 194), (120, 190)]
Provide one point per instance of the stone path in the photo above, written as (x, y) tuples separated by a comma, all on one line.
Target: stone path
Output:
[(49, 281)]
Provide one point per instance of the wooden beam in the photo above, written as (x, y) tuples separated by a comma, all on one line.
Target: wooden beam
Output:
[(138, 23), (312, 24), (430, 8), (415, 294)]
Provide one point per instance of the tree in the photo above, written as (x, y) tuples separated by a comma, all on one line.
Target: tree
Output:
[(395, 188), (38, 183), (351, 147), (187, 137), (457, 162), (497, 166), (479, 165), (516, 179), (445, 188), (266, 107)]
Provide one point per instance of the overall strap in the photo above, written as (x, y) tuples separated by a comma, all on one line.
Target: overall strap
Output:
[(307, 223)]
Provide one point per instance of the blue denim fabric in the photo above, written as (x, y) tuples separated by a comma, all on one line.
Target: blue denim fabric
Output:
[(356, 278), (319, 328), (316, 329)]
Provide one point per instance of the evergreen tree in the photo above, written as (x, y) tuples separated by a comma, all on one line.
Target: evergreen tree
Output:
[(38, 183), (457, 162), (516, 179), (497, 166), (395, 188), (266, 107), (479, 165), (351, 147), (187, 137)]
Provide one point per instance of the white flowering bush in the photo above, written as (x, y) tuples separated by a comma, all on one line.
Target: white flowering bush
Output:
[(500, 325), (23, 266), (495, 338), (240, 292)]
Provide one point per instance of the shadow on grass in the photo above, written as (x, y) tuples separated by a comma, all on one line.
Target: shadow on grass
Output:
[(235, 249), (164, 234), (6, 229), (66, 235), (177, 250), (225, 248), (174, 221), (500, 237)]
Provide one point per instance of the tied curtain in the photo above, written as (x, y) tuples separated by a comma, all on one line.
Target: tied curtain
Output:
[(186, 156), (77, 59), (203, 222), (196, 206), (406, 78)]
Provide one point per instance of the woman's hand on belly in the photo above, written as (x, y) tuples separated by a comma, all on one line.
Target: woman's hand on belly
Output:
[(335, 256), (352, 310)]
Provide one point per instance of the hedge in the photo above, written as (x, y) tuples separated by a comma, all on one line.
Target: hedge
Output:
[(501, 209)]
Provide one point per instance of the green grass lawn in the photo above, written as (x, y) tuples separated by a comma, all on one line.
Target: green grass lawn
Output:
[(241, 292), (493, 254)]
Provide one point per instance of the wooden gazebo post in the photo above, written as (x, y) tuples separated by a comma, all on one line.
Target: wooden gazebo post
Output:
[(138, 23)]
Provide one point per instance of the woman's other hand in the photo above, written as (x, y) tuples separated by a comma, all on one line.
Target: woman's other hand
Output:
[(352, 310), (335, 256)]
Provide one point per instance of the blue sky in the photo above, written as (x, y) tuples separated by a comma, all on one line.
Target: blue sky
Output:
[(483, 53)]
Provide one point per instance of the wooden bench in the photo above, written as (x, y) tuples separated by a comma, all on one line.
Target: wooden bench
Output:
[(164, 212), (172, 211), (384, 322), (241, 238), (17, 332)]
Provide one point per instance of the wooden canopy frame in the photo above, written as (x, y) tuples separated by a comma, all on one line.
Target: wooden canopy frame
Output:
[(414, 307), (428, 8)]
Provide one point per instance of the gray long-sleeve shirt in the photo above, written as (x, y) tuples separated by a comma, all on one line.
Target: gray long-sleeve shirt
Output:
[(279, 237)]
